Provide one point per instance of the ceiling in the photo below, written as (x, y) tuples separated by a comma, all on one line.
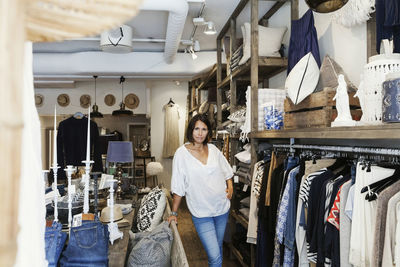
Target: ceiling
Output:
[(50, 59)]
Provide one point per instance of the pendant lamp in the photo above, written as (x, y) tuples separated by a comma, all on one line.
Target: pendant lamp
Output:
[(325, 6), (95, 113), (122, 111)]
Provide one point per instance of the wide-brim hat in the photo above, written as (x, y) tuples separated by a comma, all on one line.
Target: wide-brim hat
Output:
[(132, 101), (118, 216)]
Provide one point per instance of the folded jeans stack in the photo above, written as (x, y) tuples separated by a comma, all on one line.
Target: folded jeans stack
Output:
[(54, 243)]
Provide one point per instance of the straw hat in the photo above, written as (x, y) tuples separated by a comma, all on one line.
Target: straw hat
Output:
[(63, 100), (84, 101), (109, 100), (55, 20), (118, 216), (132, 101), (39, 99)]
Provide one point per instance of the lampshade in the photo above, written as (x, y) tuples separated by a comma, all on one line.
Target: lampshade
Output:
[(95, 113), (119, 151), (210, 28), (325, 6)]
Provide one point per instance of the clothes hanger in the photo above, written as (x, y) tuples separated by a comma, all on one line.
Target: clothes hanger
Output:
[(374, 186), (170, 102), (78, 115)]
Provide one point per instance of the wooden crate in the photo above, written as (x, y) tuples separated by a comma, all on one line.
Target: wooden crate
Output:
[(317, 110)]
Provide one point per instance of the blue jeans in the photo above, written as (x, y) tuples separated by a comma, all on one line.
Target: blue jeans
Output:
[(54, 243), (211, 231), (87, 246)]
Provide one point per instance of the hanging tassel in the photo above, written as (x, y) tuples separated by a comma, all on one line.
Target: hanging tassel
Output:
[(355, 12)]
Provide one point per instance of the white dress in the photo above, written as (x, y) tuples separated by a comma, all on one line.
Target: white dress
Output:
[(171, 132)]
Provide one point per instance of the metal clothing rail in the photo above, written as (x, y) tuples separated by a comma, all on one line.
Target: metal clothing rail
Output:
[(356, 150)]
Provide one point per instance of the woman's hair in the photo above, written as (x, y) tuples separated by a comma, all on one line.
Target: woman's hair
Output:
[(189, 132)]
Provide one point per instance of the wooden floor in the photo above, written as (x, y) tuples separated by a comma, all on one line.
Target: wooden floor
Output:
[(194, 250)]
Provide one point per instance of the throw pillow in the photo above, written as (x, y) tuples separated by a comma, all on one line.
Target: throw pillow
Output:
[(302, 79), (204, 107), (329, 73), (151, 210), (269, 41)]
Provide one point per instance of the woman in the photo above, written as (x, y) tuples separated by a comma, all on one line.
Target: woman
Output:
[(202, 174)]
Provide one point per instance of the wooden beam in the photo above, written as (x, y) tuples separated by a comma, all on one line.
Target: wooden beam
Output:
[(219, 78), (233, 81), (234, 15), (371, 36), (254, 64), (271, 11), (294, 9)]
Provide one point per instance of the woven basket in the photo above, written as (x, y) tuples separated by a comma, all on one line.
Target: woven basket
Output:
[(55, 20)]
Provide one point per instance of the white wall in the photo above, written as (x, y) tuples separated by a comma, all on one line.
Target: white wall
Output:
[(347, 46), (161, 92), (103, 88)]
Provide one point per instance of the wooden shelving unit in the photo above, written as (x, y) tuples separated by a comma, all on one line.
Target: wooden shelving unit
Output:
[(238, 255), (385, 131), (256, 69), (267, 68)]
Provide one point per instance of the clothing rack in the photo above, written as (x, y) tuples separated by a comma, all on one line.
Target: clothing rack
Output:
[(346, 149)]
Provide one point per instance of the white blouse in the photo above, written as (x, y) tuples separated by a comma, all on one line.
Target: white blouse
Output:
[(203, 185)]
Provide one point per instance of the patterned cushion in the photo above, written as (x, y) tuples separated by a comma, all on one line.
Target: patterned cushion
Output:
[(151, 210)]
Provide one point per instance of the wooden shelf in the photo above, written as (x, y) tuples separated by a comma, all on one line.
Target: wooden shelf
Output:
[(267, 67), (237, 254), (384, 131), (193, 109), (240, 219), (208, 77)]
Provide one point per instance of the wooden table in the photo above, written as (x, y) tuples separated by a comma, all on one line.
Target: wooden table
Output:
[(118, 252)]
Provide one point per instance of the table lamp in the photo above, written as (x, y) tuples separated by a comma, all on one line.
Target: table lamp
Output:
[(119, 152)]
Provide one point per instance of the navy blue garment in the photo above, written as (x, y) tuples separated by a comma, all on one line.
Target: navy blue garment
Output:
[(387, 23), (87, 245), (303, 39), (54, 240)]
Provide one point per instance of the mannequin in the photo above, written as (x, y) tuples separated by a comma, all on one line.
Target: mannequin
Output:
[(342, 105)]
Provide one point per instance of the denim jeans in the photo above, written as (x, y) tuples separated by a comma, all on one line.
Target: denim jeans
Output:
[(211, 231), (87, 246), (54, 243)]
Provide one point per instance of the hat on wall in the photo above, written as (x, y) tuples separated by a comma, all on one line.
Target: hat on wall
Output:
[(85, 101), (132, 101), (109, 100), (39, 99), (118, 216), (63, 100)]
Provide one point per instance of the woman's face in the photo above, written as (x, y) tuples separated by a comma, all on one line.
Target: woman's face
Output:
[(200, 132)]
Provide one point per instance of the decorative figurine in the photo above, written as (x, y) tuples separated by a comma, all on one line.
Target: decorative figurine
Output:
[(342, 105)]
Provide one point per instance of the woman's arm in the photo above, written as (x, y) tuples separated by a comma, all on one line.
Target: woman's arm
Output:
[(176, 201), (229, 188)]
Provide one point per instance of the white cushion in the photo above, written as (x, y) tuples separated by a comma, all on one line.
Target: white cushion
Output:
[(151, 210), (269, 41), (302, 79)]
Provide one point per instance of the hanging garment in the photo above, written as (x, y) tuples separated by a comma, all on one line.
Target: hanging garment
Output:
[(276, 160), (267, 220), (72, 143), (171, 132), (387, 23), (390, 232), (381, 211), (303, 39), (285, 228), (344, 226), (259, 168), (364, 216), (30, 239)]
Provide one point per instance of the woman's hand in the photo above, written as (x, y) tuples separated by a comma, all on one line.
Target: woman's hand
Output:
[(172, 218)]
